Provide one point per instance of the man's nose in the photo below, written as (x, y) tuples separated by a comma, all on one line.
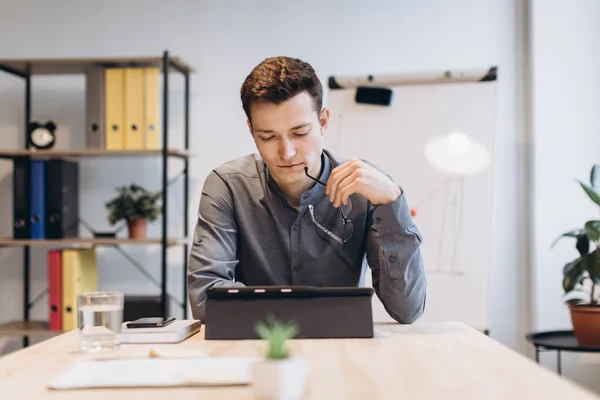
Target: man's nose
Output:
[(286, 150)]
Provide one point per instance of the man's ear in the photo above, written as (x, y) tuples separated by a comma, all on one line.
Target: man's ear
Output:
[(249, 125), (324, 119)]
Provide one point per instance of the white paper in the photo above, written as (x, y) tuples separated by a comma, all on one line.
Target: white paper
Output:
[(156, 372)]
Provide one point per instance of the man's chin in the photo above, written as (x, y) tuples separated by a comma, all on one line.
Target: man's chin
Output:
[(289, 179)]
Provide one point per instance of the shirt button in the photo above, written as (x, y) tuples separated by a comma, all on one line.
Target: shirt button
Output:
[(296, 267), (392, 259), (377, 220), (296, 227)]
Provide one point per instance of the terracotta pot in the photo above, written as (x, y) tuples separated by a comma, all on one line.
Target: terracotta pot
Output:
[(586, 324), (137, 228)]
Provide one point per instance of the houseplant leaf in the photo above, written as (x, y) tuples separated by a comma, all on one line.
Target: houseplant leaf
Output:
[(592, 228), (133, 202), (276, 334), (591, 192), (569, 266), (593, 266), (577, 296), (595, 176), (263, 331), (574, 234), (574, 275), (583, 244)]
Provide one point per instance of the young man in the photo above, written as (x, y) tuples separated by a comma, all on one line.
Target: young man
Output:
[(295, 214)]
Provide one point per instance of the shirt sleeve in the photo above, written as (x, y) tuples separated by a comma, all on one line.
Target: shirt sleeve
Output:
[(212, 259), (394, 257)]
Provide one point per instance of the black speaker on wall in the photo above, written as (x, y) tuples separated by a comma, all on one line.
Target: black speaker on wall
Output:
[(373, 95)]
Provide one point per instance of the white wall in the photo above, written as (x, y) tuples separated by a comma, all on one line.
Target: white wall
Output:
[(337, 37), (224, 41), (566, 132)]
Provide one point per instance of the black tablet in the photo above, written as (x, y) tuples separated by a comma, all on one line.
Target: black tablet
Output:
[(320, 312)]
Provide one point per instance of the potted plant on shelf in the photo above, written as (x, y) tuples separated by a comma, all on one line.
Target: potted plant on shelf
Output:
[(278, 375), (136, 206), (581, 276)]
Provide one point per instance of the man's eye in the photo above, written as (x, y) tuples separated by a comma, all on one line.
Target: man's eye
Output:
[(301, 133), (266, 139)]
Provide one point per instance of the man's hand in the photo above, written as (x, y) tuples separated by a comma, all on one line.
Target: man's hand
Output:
[(356, 176)]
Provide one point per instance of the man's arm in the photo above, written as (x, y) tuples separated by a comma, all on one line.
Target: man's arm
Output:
[(212, 258), (394, 256)]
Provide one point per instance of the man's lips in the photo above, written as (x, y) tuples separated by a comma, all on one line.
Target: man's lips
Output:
[(290, 166)]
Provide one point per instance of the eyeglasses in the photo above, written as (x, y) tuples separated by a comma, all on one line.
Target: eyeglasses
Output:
[(345, 211)]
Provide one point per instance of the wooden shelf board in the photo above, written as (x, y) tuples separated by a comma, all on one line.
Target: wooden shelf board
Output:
[(26, 328), (8, 242), (69, 66), (91, 153)]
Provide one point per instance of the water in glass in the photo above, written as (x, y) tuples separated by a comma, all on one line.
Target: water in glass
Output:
[(100, 317)]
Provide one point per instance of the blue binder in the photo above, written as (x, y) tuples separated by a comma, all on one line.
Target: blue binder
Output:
[(38, 200)]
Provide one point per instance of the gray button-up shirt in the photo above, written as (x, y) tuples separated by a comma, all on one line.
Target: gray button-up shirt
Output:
[(249, 234)]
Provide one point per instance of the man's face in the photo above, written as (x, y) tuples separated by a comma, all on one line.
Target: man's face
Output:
[(289, 137)]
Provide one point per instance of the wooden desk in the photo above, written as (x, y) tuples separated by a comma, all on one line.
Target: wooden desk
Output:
[(420, 361)]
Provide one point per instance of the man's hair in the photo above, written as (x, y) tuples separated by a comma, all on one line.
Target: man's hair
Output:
[(278, 79)]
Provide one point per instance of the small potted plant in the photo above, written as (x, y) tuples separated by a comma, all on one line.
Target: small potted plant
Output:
[(278, 375), (136, 206), (581, 276)]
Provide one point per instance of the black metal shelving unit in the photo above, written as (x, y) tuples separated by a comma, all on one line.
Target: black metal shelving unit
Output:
[(25, 69)]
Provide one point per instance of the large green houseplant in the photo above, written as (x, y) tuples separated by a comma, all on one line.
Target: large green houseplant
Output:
[(136, 206), (581, 276)]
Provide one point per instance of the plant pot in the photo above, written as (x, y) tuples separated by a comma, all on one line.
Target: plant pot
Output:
[(283, 379), (586, 324), (137, 228)]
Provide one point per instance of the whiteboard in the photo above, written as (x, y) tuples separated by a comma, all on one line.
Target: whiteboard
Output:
[(454, 213)]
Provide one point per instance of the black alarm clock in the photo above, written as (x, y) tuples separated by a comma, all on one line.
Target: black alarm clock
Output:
[(42, 136)]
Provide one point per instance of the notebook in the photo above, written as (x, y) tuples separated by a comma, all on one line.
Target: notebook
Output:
[(175, 332), (156, 372)]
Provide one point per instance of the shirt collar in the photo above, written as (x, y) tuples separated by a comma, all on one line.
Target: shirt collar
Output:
[(317, 191)]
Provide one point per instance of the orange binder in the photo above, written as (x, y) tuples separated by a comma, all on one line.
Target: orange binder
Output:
[(134, 108), (152, 109), (79, 275), (114, 107)]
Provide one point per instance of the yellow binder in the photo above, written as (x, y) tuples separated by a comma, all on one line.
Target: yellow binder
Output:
[(152, 109), (134, 108), (114, 102), (79, 275)]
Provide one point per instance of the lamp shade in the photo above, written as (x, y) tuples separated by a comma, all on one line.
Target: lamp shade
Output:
[(457, 154)]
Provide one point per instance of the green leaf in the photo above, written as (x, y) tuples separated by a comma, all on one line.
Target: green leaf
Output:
[(574, 276), (577, 296), (595, 176), (263, 331), (591, 192), (592, 228), (583, 244), (133, 202), (593, 265), (569, 266), (574, 234), (276, 333)]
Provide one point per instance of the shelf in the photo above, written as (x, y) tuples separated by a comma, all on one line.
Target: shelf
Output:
[(91, 153), (27, 328), (8, 242), (70, 66)]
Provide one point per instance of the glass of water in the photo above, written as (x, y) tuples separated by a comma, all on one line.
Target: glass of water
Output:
[(100, 317)]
